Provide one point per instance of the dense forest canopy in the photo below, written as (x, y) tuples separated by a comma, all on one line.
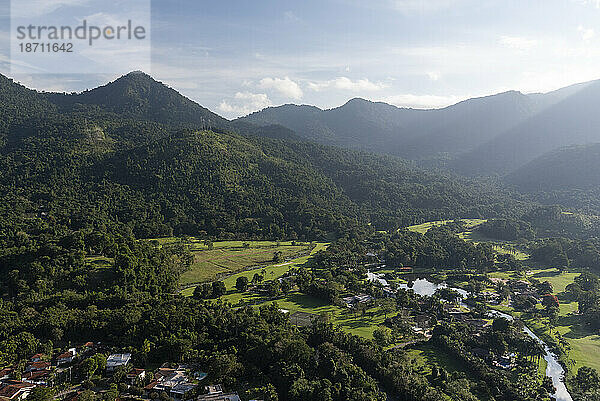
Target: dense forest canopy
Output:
[(112, 155)]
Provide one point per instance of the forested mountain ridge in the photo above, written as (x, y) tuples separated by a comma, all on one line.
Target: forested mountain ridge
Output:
[(410, 133), (138, 96), (572, 167), (490, 135), (567, 118), (113, 164)]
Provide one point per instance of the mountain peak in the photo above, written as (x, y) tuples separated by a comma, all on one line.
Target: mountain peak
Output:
[(139, 95)]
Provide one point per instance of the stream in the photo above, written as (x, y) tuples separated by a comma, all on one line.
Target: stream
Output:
[(554, 370)]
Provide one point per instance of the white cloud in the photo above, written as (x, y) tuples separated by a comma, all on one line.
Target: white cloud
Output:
[(345, 83), (595, 3), (289, 16), (422, 6), (422, 101), (36, 8), (284, 86), (517, 42), (245, 103), (434, 75), (586, 33)]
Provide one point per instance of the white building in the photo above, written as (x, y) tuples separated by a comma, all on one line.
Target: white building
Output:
[(116, 360)]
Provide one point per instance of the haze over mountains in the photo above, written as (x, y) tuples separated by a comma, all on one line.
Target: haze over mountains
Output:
[(488, 135)]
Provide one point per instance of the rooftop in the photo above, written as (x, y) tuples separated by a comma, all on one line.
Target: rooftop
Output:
[(118, 359)]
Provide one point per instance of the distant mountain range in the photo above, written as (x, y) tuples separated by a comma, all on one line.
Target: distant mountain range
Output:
[(527, 139), (573, 167), (488, 135)]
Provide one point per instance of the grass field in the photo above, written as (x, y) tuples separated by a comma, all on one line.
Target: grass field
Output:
[(231, 257), (271, 272), (559, 280), (363, 326), (426, 356), (299, 302)]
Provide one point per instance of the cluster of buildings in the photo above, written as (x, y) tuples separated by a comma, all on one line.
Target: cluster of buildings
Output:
[(41, 370)]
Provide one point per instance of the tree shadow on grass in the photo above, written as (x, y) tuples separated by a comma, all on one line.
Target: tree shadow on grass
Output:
[(306, 301), (547, 274), (577, 328), (355, 323), (433, 355)]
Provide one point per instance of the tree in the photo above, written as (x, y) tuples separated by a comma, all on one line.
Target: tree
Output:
[(286, 286), (382, 336), (241, 283), (545, 287), (218, 289), (257, 278), (119, 374), (203, 291), (111, 394), (40, 393), (273, 288), (277, 256), (93, 364), (224, 366), (587, 378), (387, 305), (501, 324), (550, 300)]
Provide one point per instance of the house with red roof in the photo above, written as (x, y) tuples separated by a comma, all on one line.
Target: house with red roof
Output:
[(35, 366), (5, 373), (66, 357), (136, 376), (15, 390), (41, 377)]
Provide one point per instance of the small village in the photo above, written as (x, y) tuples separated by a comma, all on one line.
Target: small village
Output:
[(474, 306), (68, 375)]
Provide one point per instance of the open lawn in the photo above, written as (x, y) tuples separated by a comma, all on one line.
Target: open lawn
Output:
[(427, 356), (342, 317), (559, 280), (231, 256), (585, 351), (197, 244), (271, 272), (299, 302)]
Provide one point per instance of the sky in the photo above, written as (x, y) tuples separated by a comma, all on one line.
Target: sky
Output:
[(236, 57)]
